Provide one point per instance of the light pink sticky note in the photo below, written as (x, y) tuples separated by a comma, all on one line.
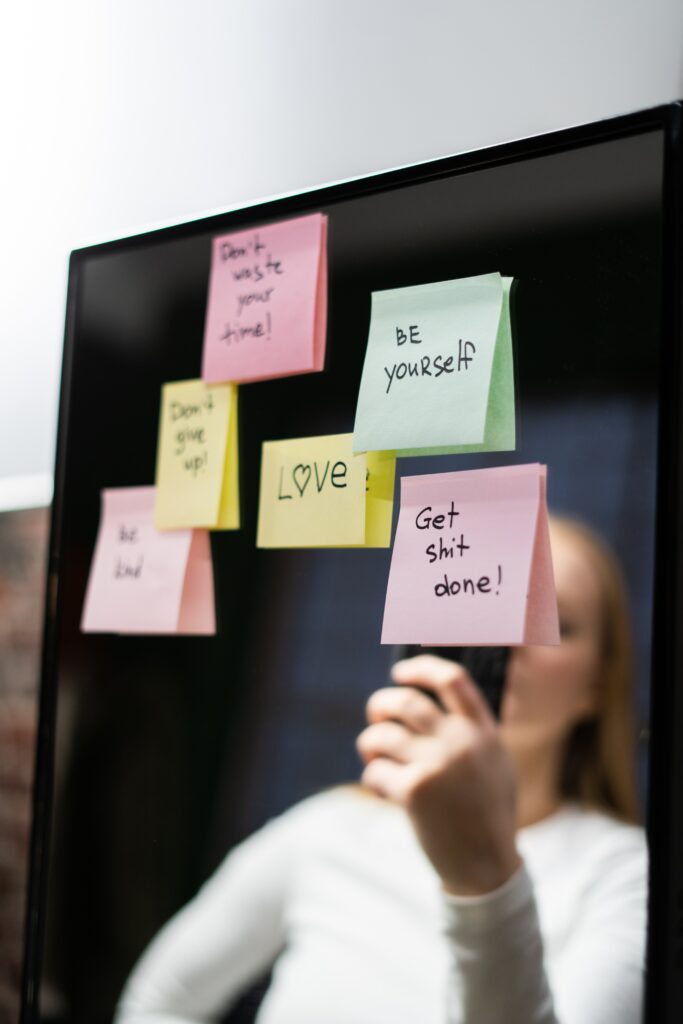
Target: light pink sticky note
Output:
[(145, 581), (267, 303), (471, 563)]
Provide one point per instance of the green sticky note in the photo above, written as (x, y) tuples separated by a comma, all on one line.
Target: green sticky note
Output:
[(438, 376)]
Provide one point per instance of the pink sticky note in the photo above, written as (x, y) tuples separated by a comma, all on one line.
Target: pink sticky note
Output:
[(145, 581), (267, 304), (471, 563)]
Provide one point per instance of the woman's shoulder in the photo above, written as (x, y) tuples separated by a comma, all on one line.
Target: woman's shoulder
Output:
[(340, 807), (575, 818), (607, 830), (587, 844), (349, 802)]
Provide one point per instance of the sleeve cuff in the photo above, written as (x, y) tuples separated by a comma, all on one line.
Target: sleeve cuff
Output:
[(477, 914)]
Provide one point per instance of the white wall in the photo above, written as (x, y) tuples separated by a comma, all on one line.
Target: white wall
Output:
[(117, 114)]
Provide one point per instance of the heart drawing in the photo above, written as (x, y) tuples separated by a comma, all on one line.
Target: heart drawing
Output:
[(301, 474)]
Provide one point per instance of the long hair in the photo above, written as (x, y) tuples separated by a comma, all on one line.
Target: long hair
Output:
[(598, 768)]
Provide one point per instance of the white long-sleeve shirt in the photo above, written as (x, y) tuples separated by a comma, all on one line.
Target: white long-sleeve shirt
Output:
[(338, 895)]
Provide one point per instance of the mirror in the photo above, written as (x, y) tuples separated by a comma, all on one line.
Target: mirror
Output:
[(170, 752)]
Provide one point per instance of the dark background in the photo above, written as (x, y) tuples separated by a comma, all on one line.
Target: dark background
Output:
[(170, 750)]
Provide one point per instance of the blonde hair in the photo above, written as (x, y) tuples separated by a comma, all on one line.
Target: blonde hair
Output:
[(598, 768)]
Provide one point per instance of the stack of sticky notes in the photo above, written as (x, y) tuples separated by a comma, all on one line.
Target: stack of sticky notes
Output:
[(438, 373), (471, 561), (267, 305), (197, 462), (316, 493), (145, 581)]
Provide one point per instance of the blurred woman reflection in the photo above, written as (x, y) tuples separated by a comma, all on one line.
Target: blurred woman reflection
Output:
[(501, 879)]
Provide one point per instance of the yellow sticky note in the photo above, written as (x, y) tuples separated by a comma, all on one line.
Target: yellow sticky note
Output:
[(197, 457), (229, 511), (316, 493), (379, 498)]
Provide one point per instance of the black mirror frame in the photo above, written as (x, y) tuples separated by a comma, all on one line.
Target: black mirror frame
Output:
[(664, 983)]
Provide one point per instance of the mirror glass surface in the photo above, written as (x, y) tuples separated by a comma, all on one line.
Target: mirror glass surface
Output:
[(170, 751)]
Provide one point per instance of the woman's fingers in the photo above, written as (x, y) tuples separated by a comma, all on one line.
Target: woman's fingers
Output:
[(387, 778), (406, 705), (449, 682), (386, 739)]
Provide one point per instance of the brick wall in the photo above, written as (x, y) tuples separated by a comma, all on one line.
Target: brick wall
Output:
[(23, 542)]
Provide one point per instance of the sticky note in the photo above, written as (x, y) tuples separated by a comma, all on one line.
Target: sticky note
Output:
[(316, 493), (197, 457), (267, 302), (145, 581), (471, 562), (438, 375)]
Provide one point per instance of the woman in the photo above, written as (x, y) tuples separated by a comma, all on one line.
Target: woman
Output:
[(514, 888)]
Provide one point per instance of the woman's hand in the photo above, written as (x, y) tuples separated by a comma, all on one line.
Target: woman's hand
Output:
[(447, 766)]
